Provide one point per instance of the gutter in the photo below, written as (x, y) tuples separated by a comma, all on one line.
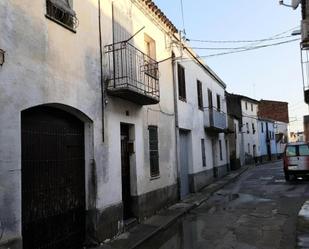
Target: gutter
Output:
[(176, 121), (101, 70)]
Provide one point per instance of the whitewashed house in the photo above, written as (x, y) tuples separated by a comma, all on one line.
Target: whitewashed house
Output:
[(201, 121), (103, 110), (268, 148), (87, 121), (245, 109), (250, 128)]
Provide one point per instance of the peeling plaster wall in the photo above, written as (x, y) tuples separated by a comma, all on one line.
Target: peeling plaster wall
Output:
[(45, 63)]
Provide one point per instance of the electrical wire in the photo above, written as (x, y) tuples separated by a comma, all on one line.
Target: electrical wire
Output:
[(228, 48), (243, 41), (273, 37), (249, 48)]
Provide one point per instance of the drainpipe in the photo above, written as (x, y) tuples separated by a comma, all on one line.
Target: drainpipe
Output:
[(101, 69), (176, 122)]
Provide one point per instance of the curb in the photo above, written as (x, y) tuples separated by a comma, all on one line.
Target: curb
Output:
[(302, 230), (161, 228), (193, 201)]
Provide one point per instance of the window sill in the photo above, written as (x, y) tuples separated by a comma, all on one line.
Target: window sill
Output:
[(153, 178), (60, 23)]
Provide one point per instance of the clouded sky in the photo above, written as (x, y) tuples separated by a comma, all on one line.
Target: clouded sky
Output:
[(268, 73)]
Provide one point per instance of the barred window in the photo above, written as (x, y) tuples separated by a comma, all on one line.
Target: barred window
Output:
[(154, 151), (61, 12)]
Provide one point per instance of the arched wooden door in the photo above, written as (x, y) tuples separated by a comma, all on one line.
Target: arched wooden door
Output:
[(53, 179)]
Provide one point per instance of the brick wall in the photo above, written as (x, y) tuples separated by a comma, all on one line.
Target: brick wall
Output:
[(274, 110)]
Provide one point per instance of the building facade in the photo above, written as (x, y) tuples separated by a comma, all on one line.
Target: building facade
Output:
[(235, 134), (278, 112), (201, 122), (108, 117), (244, 110), (89, 119), (268, 145)]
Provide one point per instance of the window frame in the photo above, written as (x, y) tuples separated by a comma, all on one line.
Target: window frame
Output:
[(203, 148), (52, 16), (200, 101), (210, 100), (182, 94), (220, 150), (218, 103), (154, 161)]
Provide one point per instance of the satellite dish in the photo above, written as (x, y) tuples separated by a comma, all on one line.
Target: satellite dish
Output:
[(295, 3)]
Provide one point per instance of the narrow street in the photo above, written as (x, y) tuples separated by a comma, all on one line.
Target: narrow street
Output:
[(259, 210)]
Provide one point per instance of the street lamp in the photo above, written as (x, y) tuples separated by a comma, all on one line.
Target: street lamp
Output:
[(294, 4), (2, 57)]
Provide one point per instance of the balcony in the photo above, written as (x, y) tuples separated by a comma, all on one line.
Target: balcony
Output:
[(134, 75), (215, 121)]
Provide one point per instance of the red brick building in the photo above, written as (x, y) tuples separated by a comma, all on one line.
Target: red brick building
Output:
[(274, 110)]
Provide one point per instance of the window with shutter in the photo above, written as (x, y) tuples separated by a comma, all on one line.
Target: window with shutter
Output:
[(200, 95), (203, 152), (210, 104), (220, 148), (181, 83), (154, 151), (218, 103)]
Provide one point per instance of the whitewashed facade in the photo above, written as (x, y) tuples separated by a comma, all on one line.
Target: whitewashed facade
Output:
[(251, 141), (93, 122), (52, 71), (201, 122)]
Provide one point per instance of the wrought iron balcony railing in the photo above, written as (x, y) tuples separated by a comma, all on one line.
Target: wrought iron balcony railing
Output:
[(214, 120), (134, 75)]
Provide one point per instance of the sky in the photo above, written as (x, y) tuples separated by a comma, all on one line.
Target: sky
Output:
[(272, 73)]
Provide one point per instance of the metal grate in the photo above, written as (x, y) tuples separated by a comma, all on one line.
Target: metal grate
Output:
[(132, 69), (53, 184), (60, 15)]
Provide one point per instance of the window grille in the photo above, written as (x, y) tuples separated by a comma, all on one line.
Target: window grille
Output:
[(61, 12)]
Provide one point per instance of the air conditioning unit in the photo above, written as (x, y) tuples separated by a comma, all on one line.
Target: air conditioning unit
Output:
[(305, 34)]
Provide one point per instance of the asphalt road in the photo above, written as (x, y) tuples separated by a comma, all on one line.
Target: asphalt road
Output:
[(259, 210)]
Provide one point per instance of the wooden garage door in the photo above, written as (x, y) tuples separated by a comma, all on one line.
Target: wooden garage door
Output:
[(53, 179)]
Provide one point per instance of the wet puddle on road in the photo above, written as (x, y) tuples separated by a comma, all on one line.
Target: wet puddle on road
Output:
[(203, 226)]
